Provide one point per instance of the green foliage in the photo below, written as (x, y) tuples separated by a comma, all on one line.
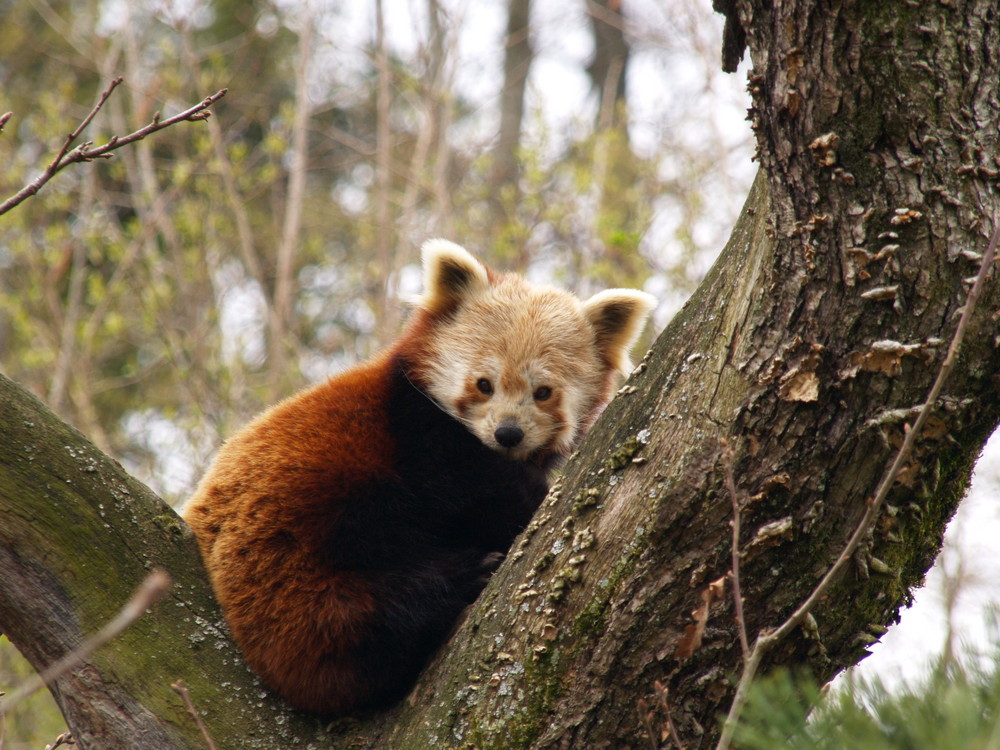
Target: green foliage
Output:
[(954, 707)]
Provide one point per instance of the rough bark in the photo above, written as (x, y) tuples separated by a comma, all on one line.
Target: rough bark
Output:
[(814, 334)]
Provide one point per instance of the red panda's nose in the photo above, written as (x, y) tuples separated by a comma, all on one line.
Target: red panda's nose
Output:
[(508, 434)]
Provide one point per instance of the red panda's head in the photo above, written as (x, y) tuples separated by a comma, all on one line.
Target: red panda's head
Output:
[(526, 368)]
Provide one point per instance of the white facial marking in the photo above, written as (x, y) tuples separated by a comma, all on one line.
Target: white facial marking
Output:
[(488, 354)]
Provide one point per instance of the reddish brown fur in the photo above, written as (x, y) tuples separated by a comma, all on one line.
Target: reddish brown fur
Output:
[(470, 395), (347, 527), (247, 493)]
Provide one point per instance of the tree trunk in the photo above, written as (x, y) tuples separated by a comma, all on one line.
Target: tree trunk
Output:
[(517, 58), (823, 322), (609, 64)]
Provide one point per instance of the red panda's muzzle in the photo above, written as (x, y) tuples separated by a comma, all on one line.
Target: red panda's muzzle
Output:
[(508, 434)]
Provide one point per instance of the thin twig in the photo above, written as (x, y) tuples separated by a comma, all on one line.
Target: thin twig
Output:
[(181, 689), (646, 717), (727, 462), (88, 152), (86, 121), (66, 738), (56, 164), (148, 593), (664, 695), (768, 639)]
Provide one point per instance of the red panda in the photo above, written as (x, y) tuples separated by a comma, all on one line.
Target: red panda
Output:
[(346, 528)]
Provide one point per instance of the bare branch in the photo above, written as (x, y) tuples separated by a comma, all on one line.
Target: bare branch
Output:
[(727, 462), (646, 717), (148, 593), (88, 152), (57, 162), (66, 738), (768, 639), (383, 169), (181, 689), (662, 693), (60, 161)]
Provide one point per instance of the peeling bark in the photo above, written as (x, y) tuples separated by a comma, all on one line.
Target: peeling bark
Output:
[(823, 322)]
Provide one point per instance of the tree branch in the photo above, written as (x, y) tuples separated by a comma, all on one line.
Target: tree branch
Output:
[(88, 152), (727, 460), (767, 640), (149, 592), (181, 689)]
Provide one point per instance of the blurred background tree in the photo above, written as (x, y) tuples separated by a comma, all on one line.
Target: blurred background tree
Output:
[(158, 300)]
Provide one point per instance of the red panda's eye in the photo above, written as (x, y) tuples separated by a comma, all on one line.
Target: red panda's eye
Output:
[(484, 386), (542, 393)]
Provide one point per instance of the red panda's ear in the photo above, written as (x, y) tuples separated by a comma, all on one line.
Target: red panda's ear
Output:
[(617, 316), (451, 275)]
